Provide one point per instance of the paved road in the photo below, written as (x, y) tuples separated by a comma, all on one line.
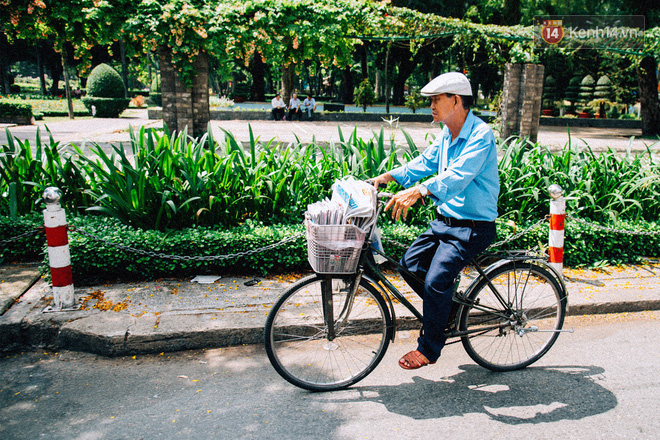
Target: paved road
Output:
[(114, 131), (600, 382)]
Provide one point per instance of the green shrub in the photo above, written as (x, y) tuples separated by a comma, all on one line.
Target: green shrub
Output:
[(586, 89), (105, 82), (365, 95), (15, 107), (604, 89), (105, 93), (28, 248), (549, 92), (573, 89), (415, 100), (105, 107), (96, 261)]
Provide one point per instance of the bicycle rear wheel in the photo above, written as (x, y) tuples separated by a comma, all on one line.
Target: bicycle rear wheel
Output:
[(510, 338), (302, 349)]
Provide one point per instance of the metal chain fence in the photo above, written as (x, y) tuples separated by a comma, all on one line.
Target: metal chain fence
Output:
[(23, 235), (296, 237), (190, 257)]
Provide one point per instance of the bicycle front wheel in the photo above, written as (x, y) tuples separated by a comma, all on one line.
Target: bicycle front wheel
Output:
[(324, 347), (517, 329)]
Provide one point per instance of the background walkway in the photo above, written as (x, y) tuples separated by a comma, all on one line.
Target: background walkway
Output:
[(107, 131)]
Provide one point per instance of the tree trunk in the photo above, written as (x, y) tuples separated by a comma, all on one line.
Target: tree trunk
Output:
[(124, 67), (648, 96), (405, 67), (67, 84), (387, 78), (258, 72), (40, 66), (5, 84), (288, 81), (362, 49), (55, 70), (347, 85)]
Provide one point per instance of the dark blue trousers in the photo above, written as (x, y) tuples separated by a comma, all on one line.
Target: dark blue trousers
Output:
[(437, 257)]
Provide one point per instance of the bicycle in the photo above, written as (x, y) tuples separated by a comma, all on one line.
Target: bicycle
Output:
[(330, 330)]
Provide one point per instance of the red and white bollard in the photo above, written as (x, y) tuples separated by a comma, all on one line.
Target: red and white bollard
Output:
[(556, 239), (58, 250)]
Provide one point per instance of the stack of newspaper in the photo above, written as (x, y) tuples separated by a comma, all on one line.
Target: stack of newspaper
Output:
[(353, 202)]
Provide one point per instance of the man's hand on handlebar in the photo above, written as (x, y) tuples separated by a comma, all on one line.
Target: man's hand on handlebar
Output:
[(401, 201), (381, 181)]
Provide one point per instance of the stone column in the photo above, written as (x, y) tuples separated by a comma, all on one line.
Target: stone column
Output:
[(511, 100), (521, 100), (200, 95), (184, 106)]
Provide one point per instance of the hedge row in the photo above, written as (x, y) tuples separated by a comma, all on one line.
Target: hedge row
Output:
[(94, 261), (11, 107)]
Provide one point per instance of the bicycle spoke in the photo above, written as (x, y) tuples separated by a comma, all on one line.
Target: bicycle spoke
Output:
[(303, 351), (535, 302)]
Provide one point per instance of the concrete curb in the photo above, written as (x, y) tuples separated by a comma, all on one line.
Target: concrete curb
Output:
[(26, 326)]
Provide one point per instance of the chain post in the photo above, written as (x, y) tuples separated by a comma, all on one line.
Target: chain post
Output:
[(59, 257), (556, 235)]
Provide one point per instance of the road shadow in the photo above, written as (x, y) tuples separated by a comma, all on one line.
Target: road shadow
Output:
[(533, 395)]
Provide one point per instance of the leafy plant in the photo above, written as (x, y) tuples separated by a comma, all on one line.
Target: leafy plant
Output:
[(105, 93), (365, 95), (415, 100)]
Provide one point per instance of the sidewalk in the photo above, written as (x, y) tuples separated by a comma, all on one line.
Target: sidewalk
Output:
[(178, 314)]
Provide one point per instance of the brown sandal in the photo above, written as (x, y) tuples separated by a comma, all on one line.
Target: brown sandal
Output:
[(414, 360)]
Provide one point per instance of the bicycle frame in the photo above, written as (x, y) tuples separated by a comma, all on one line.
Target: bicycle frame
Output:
[(369, 270)]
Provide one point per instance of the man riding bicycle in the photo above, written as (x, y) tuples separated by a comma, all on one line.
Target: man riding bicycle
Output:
[(464, 188)]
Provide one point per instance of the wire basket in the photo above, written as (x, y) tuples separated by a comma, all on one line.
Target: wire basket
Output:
[(334, 248)]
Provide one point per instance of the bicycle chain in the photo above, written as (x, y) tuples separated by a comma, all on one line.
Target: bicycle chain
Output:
[(609, 229), (23, 235), (189, 257)]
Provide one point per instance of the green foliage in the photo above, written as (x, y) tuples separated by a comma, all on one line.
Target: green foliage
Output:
[(365, 95), (606, 187), (32, 172), (586, 89), (28, 248), (95, 261), (573, 90), (105, 82), (105, 93), (155, 94), (549, 92), (155, 83), (603, 88), (105, 107), (415, 100), (15, 107), (56, 106)]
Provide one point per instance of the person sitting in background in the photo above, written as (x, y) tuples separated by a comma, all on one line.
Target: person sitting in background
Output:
[(294, 108), (278, 107), (308, 107)]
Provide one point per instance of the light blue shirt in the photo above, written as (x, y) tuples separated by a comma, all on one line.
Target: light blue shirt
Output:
[(466, 182)]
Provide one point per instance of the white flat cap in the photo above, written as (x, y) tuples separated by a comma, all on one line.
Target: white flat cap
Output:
[(450, 82)]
